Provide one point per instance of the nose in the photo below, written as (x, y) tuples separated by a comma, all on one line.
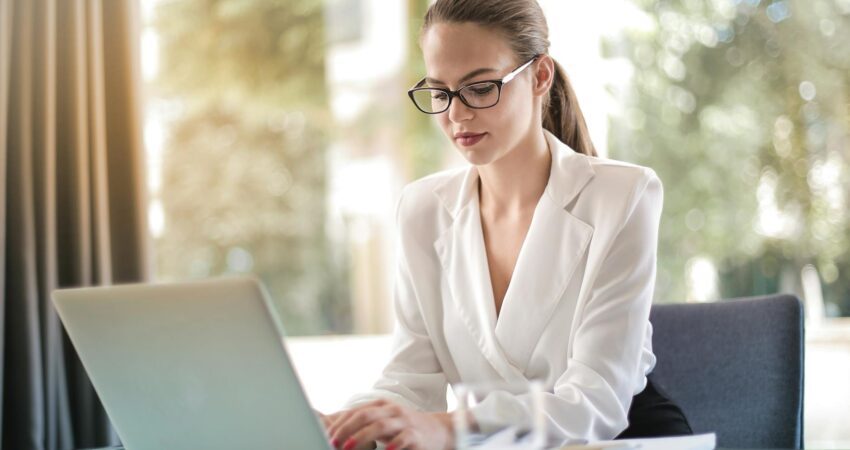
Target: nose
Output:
[(458, 111)]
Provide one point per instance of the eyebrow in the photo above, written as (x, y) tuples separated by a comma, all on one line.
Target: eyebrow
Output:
[(472, 74)]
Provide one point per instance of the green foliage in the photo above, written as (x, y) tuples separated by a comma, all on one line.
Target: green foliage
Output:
[(741, 107), (244, 174), (257, 54)]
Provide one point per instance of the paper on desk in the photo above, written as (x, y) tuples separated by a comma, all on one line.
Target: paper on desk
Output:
[(510, 438), (705, 441)]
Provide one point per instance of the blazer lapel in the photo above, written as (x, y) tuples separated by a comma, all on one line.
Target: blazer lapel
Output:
[(552, 249), (554, 246), (462, 255)]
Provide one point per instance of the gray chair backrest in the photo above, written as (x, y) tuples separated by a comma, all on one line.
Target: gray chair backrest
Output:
[(735, 367)]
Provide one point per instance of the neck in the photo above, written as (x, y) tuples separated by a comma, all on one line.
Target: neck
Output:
[(514, 183)]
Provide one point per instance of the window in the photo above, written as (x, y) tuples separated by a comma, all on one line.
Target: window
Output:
[(279, 135), (269, 148), (741, 108)]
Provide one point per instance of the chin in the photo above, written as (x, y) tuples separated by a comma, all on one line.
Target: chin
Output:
[(477, 157)]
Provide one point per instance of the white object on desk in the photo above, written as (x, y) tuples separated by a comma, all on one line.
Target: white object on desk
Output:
[(705, 441)]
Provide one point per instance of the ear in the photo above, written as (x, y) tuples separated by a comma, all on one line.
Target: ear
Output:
[(544, 74)]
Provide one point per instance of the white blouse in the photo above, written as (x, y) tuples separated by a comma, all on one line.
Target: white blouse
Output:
[(576, 312)]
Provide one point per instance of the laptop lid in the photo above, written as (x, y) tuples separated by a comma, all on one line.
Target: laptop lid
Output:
[(190, 365)]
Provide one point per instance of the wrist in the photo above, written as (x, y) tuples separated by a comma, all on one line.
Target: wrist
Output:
[(446, 419)]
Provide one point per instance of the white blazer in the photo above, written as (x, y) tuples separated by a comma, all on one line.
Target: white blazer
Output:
[(576, 312)]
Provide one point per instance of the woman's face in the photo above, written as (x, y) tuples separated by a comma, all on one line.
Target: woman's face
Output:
[(457, 55)]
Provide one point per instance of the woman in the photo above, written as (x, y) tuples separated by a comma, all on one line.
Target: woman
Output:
[(536, 262)]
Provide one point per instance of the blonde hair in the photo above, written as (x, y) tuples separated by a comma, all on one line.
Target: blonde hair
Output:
[(523, 25)]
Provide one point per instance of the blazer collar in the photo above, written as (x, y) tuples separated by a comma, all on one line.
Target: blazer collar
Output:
[(546, 263), (569, 173)]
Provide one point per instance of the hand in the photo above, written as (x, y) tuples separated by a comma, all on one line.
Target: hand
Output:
[(398, 426), (327, 420)]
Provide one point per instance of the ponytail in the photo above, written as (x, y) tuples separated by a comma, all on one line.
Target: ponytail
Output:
[(562, 115)]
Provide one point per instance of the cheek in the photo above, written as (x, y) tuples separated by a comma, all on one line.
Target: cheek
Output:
[(444, 123), (506, 117), (517, 104), (514, 113)]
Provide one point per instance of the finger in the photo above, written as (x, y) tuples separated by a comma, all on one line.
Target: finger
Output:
[(369, 445), (322, 418), (340, 418), (326, 421), (402, 441), (348, 412), (329, 420), (345, 427), (378, 402), (379, 430)]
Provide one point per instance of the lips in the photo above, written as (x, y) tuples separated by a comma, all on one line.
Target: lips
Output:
[(467, 139)]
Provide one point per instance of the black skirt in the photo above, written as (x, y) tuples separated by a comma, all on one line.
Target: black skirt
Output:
[(653, 414)]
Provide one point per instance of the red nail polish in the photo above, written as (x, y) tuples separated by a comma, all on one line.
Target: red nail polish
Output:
[(349, 444), (390, 447), (334, 443)]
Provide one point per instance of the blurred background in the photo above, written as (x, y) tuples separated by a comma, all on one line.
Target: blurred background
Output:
[(278, 135)]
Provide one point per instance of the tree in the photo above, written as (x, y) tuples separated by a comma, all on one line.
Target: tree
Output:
[(741, 107)]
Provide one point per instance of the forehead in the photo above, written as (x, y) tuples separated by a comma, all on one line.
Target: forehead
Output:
[(452, 50)]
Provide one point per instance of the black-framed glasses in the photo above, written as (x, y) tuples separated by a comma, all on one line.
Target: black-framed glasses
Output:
[(478, 95)]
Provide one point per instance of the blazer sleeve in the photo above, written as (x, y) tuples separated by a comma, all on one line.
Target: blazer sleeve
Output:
[(413, 376), (591, 399)]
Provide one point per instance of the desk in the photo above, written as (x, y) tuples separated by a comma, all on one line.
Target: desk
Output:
[(718, 448)]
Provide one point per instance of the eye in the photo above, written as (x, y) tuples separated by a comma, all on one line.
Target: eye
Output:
[(438, 95), (482, 89)]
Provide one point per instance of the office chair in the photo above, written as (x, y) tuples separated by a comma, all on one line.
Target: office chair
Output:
[(735, 367)]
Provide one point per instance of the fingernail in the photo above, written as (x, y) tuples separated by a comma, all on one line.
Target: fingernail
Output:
[(390, 447), (349, 444), (334, 443)]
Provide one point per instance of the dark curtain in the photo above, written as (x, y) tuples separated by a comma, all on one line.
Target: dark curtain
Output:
[(72, 202)]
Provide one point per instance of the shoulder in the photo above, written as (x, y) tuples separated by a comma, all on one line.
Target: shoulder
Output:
[(418, 198), (613, 172), (617, 190), (623, 180)]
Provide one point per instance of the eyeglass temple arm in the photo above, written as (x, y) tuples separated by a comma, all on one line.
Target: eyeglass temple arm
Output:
[(507, 78), (516, 71), (419, 84)]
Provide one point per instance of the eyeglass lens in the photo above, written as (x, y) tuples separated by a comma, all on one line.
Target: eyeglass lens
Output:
[(476, 95)]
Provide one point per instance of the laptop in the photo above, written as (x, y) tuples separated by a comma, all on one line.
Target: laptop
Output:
[(197, 365)]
